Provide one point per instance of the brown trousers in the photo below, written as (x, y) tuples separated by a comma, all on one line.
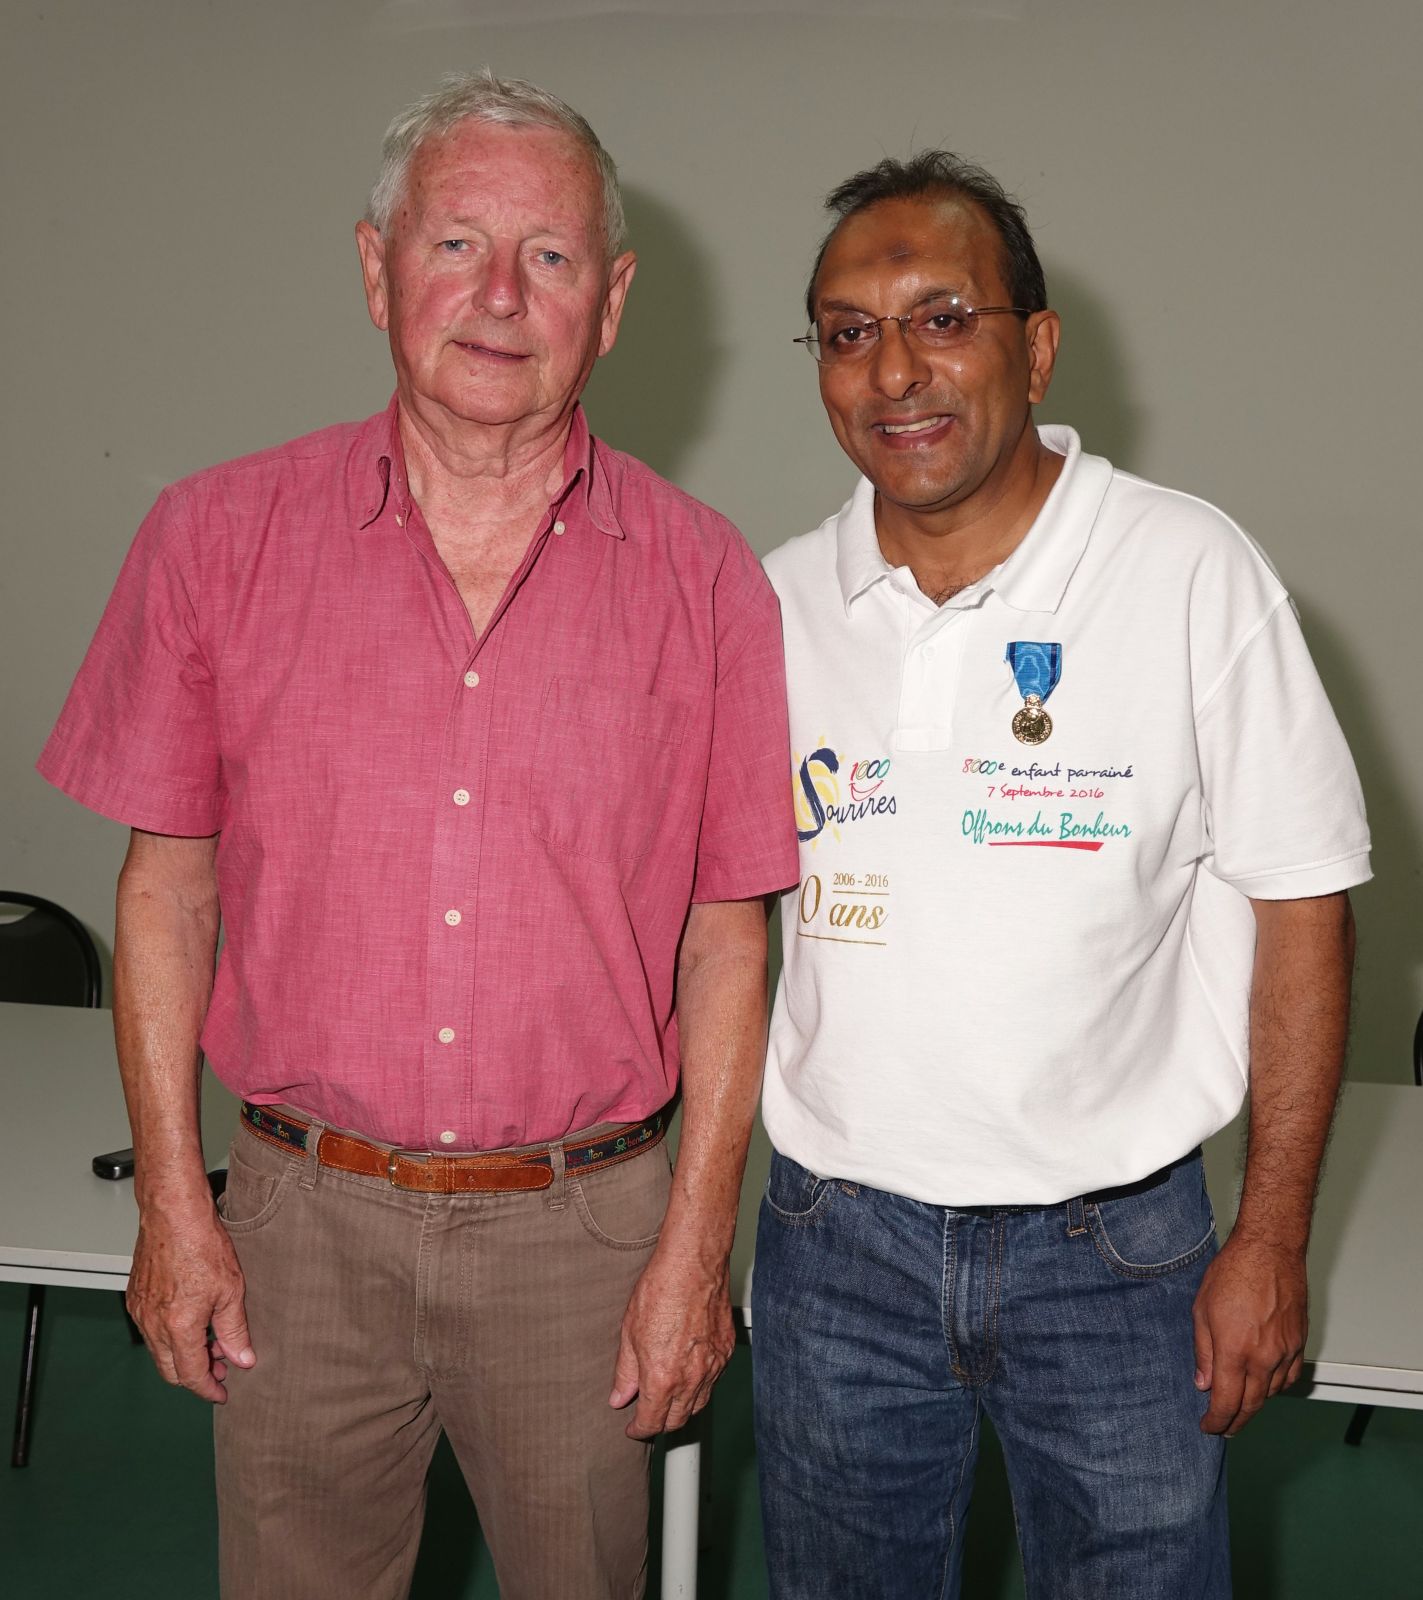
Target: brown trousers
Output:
[(380, 1317)]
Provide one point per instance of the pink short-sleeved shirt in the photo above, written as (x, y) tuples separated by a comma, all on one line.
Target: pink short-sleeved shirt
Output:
[(453, 871)]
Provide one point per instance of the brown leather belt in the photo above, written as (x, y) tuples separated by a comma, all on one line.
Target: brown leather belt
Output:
[(499, 1172)]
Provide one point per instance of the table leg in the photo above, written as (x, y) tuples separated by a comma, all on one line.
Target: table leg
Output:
[(681, 1494), (29, 1361)]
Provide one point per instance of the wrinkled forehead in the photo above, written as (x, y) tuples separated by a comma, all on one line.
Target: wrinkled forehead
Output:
[(478, 166), (942, 241)]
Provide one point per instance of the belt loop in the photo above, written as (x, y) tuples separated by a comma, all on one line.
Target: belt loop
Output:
[(311, 1161), (1076, 1218), (557, 1197)]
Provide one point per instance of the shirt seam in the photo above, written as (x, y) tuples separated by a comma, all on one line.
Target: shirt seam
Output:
[(1238, 654), (1231, 1045), (701, 896), (182, 515), (1298, 866)]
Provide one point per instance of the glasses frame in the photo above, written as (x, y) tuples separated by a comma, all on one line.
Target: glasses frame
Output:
[(971, 313)]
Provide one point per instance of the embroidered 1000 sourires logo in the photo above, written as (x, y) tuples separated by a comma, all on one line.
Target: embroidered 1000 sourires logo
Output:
[(831, 793)]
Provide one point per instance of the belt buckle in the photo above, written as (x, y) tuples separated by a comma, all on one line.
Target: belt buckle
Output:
[(390, 1168)]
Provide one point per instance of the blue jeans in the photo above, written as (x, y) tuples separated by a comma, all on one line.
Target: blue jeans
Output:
[(881, 1326)]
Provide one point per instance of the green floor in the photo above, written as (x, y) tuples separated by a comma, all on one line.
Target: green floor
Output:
[(117, 1500)]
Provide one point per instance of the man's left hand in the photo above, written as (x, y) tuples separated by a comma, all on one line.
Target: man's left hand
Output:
[(1251, 1316), (676, 1338)]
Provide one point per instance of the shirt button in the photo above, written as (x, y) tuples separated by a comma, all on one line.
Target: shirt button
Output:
[(470, 679), (461, 797), (446, 1036), (928, 650), (558, 527), (453, 918), (448, 1136)]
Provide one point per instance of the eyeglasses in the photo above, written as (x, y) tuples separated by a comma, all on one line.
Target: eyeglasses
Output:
[(841, 337)]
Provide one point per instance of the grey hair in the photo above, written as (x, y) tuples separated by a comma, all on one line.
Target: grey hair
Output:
[(481, 96)]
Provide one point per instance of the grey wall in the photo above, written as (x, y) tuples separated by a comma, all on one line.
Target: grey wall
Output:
[(1225, 194)]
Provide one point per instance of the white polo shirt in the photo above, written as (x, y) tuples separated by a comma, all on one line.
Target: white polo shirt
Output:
[(1013, 974)]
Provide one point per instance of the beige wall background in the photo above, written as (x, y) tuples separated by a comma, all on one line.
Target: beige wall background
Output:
[(1225, 195)]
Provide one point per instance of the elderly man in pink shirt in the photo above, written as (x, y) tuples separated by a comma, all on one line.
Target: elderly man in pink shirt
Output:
[(470, 733)]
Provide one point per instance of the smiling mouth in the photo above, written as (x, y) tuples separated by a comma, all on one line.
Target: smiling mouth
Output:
[(897, 430), (490, 350)]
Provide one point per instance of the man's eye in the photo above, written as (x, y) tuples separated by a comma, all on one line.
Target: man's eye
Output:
[(452, 246), (850, 334), (943, 324), (552, 258)]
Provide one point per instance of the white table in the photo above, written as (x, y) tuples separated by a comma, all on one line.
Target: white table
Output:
[(1366, 1253), (1365, 1342), (59, 1224)]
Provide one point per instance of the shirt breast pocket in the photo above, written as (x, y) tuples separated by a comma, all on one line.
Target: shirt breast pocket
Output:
[(603, 764)]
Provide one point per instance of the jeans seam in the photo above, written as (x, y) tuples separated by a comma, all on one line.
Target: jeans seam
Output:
[(1101, 1242), (285, 1180), (947, 1289), (467, 1241), (953, 1498), (422, 1288), (801, 1219), (995, 1285)]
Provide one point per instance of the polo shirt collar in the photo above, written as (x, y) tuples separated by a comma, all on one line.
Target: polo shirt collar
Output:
[(1036, 575), (859, 561), (585, 474)]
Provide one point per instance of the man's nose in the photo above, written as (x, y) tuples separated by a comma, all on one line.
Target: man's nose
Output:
[(501, 290), (897, 363)]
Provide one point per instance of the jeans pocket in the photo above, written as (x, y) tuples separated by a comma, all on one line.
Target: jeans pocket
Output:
[(622, 1207), (256, 1187), (1153, 1234), (793, 1193)]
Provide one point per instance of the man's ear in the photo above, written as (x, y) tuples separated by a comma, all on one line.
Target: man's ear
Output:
[(620, 276), (1044, 330), (370, 242)]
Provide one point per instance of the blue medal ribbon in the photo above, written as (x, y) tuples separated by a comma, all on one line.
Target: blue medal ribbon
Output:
[(1036, 667)]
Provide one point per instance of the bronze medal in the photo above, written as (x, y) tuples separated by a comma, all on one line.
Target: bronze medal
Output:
[(1032, 725)]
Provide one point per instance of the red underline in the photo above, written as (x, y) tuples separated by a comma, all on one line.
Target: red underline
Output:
[(1045, 844)]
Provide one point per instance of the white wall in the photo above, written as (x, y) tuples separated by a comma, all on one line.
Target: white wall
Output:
[(1225, 195)]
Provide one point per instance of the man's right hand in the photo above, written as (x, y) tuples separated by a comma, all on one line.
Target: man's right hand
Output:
[(185, 1277)]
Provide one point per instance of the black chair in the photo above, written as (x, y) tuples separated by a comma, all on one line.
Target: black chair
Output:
[(46, 958), (1354, 1433)]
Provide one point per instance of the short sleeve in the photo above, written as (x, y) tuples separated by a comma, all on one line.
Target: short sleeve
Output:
[(1284, 809), (136, 739), (747, 843)]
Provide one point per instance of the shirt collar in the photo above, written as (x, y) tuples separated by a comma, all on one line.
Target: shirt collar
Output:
[(585, 474), (859, 561), (1036, 575), (385, 466), (586, 477)]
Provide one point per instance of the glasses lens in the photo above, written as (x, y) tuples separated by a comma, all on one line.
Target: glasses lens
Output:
[(943, 323), (843, 338)]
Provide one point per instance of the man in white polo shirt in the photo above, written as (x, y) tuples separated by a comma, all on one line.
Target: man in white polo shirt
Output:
[(1076, 830)]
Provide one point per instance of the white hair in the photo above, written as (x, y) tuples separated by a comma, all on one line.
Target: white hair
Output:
[(481, 96)]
